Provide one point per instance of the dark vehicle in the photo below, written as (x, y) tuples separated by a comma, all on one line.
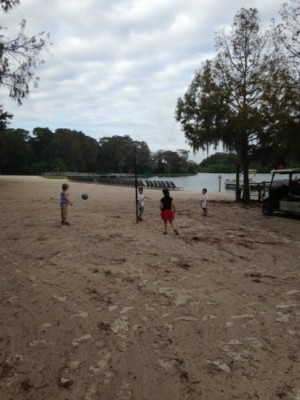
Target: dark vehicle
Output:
[(284, 192)]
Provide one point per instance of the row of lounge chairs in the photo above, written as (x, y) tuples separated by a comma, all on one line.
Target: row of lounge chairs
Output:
[(127, 182), (161, 185), (149, 184)]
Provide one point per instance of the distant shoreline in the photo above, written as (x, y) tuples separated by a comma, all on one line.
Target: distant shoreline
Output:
[(111, 190)]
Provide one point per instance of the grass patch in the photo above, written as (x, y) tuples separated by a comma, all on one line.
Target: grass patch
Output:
[(174, 175), (54, 177)]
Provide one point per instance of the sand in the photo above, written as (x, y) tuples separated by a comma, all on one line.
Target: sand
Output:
[(113, 310)]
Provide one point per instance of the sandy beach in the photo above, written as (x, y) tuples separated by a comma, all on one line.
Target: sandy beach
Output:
[(107, 309)]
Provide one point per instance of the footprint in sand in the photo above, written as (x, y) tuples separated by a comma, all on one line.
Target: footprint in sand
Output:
[(81, 314), (292, 292), (166, 365), (62, 299), (35, 343), (84, 338), (126, 309), (74, 365), (285, 306), (45, 326), (282, 317), (120, 325), (13, 300), (207, 317), (219, 366), (101, 364)]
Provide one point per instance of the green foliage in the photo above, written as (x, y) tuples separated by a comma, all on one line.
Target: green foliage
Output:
[(219, 162), (4, 119), (63, 150), (54, 177), (246, 98), (226, 163), (15, 151), (73, 151), (286, 32), (7, 5), (67, 150), (172, 162), (117, 154), (19, 57)]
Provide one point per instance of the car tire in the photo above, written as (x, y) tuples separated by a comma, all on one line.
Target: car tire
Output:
[(267, 209)]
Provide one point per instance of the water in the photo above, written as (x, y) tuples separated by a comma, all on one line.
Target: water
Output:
[(209, 181)]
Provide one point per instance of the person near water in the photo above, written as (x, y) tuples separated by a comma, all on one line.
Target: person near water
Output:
[(204, 202)]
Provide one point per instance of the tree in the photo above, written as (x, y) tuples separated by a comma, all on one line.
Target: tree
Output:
[(144, 160), (8, 4), (78, 151), (280, 138), (4, 121), (219, 162), (42, 146), (117, 155), (287, 32), (15, 151), (4, 118), (232, 98), (286, 39), (19, 57), (172, 162)]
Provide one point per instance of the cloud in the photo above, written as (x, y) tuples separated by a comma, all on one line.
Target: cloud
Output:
[(118, 67)]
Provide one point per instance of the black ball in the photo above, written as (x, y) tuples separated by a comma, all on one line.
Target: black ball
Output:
[(84, 196)]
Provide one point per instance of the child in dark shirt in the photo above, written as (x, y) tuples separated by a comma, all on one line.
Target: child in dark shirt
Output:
[(167, 208)]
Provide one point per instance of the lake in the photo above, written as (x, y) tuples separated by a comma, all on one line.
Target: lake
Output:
[(208, 181)]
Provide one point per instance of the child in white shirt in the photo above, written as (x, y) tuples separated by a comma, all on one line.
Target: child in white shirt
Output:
[(204, 202)]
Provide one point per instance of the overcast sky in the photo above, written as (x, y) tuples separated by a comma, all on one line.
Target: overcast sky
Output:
[(117, 67)]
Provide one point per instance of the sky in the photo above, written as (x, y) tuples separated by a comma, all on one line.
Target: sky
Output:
[(117, 67)]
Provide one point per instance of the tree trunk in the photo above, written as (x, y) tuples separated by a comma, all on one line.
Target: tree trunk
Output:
[(237, 186), (246, 190), (237, 182)]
